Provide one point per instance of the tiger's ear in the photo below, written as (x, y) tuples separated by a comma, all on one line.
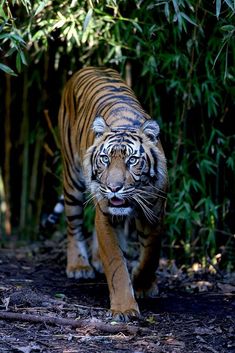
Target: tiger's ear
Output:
[(99, 126), (151, 129)]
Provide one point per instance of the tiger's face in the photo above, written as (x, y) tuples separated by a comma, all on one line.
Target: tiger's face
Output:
[(125, 169)]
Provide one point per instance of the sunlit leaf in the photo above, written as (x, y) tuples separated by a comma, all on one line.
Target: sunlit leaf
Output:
[(60, 23), (76, 37), (40, 8), (87, 19), (218, 8), (2, 13)]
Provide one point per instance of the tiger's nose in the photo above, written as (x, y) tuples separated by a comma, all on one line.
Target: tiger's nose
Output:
[(115, 187)]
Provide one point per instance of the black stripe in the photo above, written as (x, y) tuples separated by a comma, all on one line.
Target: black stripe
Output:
[(74, 218), (72, 200)]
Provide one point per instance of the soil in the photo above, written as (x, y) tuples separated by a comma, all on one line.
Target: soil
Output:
[(194, 312)]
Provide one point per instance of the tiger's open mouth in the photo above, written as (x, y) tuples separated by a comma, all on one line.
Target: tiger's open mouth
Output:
[(117, 202)]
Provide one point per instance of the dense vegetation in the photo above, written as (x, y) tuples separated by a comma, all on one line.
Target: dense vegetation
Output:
[(178, 55)]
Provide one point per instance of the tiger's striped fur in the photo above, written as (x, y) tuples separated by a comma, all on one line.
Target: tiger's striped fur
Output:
[(111, 147)]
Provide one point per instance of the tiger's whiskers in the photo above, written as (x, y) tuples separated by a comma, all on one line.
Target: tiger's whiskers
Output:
[(150, 215)]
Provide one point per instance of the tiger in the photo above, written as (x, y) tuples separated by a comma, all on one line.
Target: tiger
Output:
[(111, 148)]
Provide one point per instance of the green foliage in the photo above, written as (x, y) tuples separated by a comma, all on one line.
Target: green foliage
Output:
[(182, 57), (11, 38)]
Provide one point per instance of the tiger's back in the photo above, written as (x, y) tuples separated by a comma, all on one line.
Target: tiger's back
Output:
[(111, 147)]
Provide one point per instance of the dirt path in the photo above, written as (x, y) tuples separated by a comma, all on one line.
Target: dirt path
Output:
[(195, 311)]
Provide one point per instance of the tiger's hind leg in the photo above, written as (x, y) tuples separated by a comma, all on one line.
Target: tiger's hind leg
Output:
[(78, 265), (144, 275)]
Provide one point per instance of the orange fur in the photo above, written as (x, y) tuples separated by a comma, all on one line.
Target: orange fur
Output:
[(110, 144)]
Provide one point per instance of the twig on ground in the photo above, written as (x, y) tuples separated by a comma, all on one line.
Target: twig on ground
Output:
[(98, 325)]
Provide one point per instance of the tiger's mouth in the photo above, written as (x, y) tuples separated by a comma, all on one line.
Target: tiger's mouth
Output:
[(119, 207), (117, 202)]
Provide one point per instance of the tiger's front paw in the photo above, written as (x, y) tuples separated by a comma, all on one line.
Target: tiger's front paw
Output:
[(80, 272), (124, 316)]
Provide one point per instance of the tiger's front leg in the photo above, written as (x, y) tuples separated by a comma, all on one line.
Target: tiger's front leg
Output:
[(123, 304), (78, 265), (143, 276)]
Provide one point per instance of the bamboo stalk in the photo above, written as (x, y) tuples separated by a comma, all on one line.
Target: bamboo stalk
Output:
[(41, 190), (51, 128), (34, 176), (128, 74), (25, 166), (7, 162)]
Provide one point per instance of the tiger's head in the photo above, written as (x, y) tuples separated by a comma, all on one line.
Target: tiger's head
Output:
[(125, 169)]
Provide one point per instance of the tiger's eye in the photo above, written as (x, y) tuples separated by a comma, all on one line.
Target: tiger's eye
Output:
[(104, 159), (133, 160)]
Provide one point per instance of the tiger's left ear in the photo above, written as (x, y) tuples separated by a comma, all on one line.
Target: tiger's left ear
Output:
[(151, 129), (99, 126)]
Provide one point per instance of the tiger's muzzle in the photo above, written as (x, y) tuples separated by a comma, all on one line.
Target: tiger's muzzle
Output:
[(117, 201)]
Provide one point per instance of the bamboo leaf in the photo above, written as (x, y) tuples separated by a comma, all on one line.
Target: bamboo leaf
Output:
[(2, 13), (228, 28), (10, 52), (167, 11), (87, 19), (13, 36), (230, 162), (76, 37), (137, 26), (230, 4), (23, 58), (218, 8), (18, 62), (179, 19), (7, 69), (217, 56), (188, 19), (40, 8)]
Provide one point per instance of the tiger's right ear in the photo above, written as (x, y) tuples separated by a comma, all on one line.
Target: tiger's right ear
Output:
[(151, 129), (99, 126)]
